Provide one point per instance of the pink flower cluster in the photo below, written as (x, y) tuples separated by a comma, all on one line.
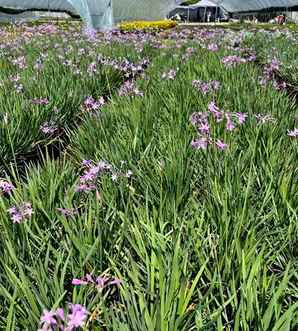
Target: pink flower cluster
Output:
[(293, 133), (213, 47), (91, 174), (246, 56), (100, 282), (6, 187), (232, 61), (15, 80), (129, 89), (201, 121), (169, 75), (128, 69), (206, 87), (189, 52), (92, 69), (59, 321), (203, 142), (20, 62), (20, 213), (68, 212), (91, 105), (270, 75), (49, 128), (90, 33), (265, 118), (40, 101)]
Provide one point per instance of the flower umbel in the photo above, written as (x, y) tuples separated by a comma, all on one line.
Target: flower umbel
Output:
[(6, 187), (20, 213), (293, 133)]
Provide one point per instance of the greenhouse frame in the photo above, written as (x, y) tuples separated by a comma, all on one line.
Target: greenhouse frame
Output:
[(104, 13), (241, 6), (98, 13)]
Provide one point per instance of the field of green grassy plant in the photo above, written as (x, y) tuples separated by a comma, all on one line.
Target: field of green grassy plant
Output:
[(148, 181)]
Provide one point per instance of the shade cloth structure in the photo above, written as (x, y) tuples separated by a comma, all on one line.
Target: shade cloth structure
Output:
[(96, 13), (199, 11), (142, 9), (203, 3), (99, 13), (238, 6)]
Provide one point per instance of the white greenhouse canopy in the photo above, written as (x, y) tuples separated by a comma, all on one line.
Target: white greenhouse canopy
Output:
[(203, 3), (99, 13), (238, 6)]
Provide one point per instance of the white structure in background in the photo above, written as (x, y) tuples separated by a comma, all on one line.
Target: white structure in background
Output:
[(202, 11), (293, 16), (242, 6), (142, 9), (98, 13)]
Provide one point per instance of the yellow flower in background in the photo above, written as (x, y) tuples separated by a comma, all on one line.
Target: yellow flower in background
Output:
[(147, 25)]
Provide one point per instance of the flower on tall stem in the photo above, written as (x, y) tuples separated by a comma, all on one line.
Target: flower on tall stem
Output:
[(293, 133), (20, 213)]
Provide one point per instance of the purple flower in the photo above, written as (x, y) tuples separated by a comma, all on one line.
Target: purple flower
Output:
[(206, 87), (213, 47), (274, 64), (21, 213), (232, 61), (265, 118), (6, 187), (129, 89), (77, 317), (293, 133), (49, 128), (87, 162), (15, 78), (215, 111), (41, 101), (230, 126), (68, 212), (115, 281), (252, 58), (85, 188), (221, 145), (200, 143), (170, 75), (269, 74), (92, 69), (215, 84), (89, 278), (90, 104), (198, 117), (204, 128), (56, 319), (90, 33), (60, 314), (241, 117), (48, 318), (282, 86), (20, 62), (76, 281), (100, 282)]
